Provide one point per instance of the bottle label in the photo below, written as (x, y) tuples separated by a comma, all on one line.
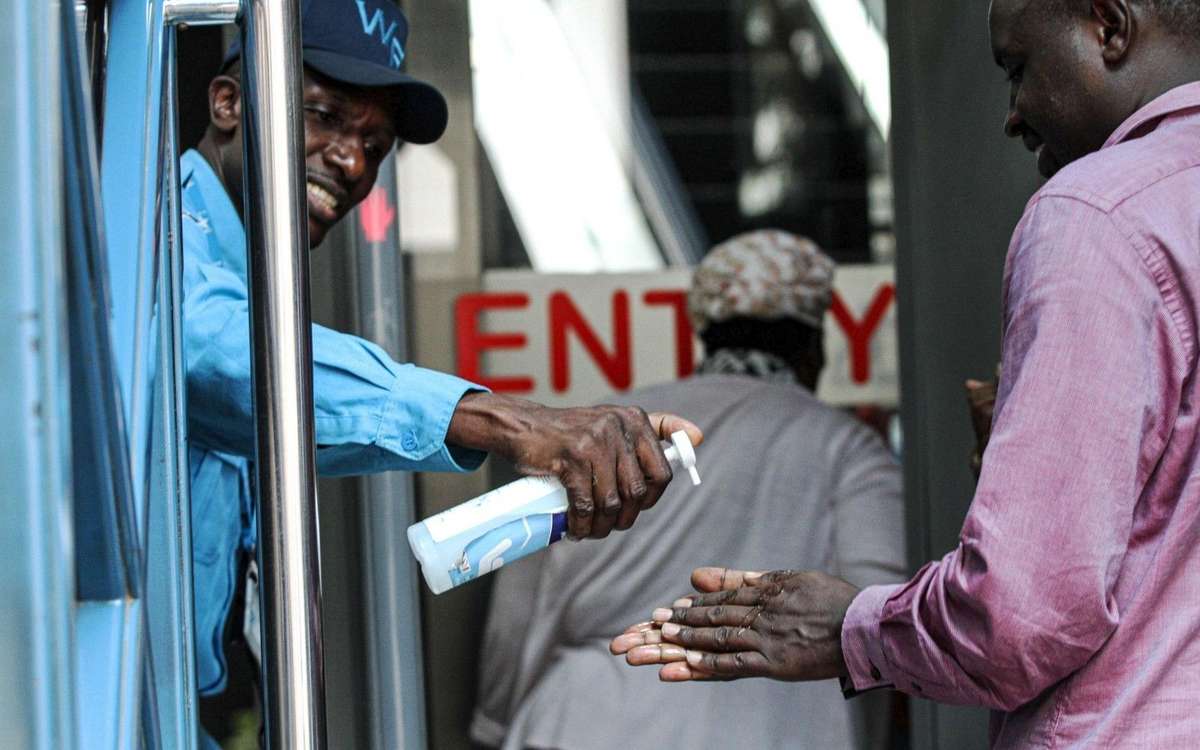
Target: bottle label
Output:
[(510, 542), (498, 502)]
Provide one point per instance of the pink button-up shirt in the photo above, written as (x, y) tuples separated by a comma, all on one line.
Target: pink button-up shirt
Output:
[(1071, 605)]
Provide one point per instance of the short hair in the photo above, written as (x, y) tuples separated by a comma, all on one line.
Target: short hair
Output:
[(1181, 16)]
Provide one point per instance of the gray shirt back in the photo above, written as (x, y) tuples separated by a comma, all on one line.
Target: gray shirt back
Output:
[(788, 483)]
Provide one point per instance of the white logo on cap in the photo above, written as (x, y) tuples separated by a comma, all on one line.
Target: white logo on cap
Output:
[(387, 36)]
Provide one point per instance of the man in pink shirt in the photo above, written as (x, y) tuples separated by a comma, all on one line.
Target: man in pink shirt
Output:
[(1071, 605)]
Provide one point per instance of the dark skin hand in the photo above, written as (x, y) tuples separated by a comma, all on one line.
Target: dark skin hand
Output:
[(981, 403), (786, 625), (608, 458)]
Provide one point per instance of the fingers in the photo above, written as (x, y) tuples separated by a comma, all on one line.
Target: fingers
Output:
[(685, 664), (627, 641), (723, 639), (606, 497), (655, 465), (740, 616), (772, 577), (591, 477), (659, 653), (629, 470), (719, 579), (610, 460), (748, 596), (632, 485), (666, 424), (638, 634), (652, 462), (981, 403), (681, 672), (692, 654), (581, 508), (727, 666), (980, 392)]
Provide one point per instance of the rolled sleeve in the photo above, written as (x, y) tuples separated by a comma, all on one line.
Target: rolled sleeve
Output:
[(417, 416), (374, 414), (861, 646)]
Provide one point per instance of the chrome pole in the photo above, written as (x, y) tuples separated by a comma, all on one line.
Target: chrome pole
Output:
[(281, 341), (395, 681)]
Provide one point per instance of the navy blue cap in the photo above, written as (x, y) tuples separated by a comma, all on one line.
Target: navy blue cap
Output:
[(363, 43)]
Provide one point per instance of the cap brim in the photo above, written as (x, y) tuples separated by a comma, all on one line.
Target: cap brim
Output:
[(421, 114)]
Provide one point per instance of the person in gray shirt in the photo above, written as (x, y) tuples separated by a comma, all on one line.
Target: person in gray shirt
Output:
[(788, 481)]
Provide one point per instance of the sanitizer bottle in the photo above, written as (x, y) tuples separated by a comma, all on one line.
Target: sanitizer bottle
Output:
[(506, 524)]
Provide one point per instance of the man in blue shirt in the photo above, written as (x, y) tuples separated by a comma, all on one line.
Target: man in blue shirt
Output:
[(371, 413)]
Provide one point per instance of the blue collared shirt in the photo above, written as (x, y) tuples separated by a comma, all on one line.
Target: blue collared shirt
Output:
[(371, 413)]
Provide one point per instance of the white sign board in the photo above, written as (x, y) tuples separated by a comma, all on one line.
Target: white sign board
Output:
[(427, 183), (575, 338)]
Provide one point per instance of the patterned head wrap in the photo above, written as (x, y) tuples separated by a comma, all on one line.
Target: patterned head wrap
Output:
[(766, 274)]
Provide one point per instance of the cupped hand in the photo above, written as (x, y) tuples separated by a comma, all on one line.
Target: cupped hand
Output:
[(785, 625)]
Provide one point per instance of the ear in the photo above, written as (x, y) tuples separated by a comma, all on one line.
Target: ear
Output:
[(225, 103), (1115, 28)]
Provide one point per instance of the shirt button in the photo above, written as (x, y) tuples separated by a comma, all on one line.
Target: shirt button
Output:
[(409, 442)]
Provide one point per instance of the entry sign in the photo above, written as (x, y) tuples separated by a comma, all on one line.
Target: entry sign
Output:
[(574, 339)]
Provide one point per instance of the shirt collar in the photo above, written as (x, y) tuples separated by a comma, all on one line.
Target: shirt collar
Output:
[(198, 177), (1176, 100)]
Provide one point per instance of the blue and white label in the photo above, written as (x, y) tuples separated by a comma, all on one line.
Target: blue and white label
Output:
[(512, 541)]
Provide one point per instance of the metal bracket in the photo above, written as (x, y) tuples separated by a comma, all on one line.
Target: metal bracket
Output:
[(201, 12)]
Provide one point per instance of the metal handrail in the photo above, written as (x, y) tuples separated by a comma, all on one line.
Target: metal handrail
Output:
[(168, 548), (391, 593), (281, 342)]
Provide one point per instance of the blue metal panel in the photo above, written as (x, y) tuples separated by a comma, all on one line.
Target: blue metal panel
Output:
[(150, 731), (169, 563), (78, 673), (106, 542), (109, 620), (36, 569), (99, 627), (109, 677), (131, 175)]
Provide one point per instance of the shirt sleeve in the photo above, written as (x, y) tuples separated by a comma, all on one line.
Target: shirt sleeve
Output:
[(1093, 369), (371, 413)]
